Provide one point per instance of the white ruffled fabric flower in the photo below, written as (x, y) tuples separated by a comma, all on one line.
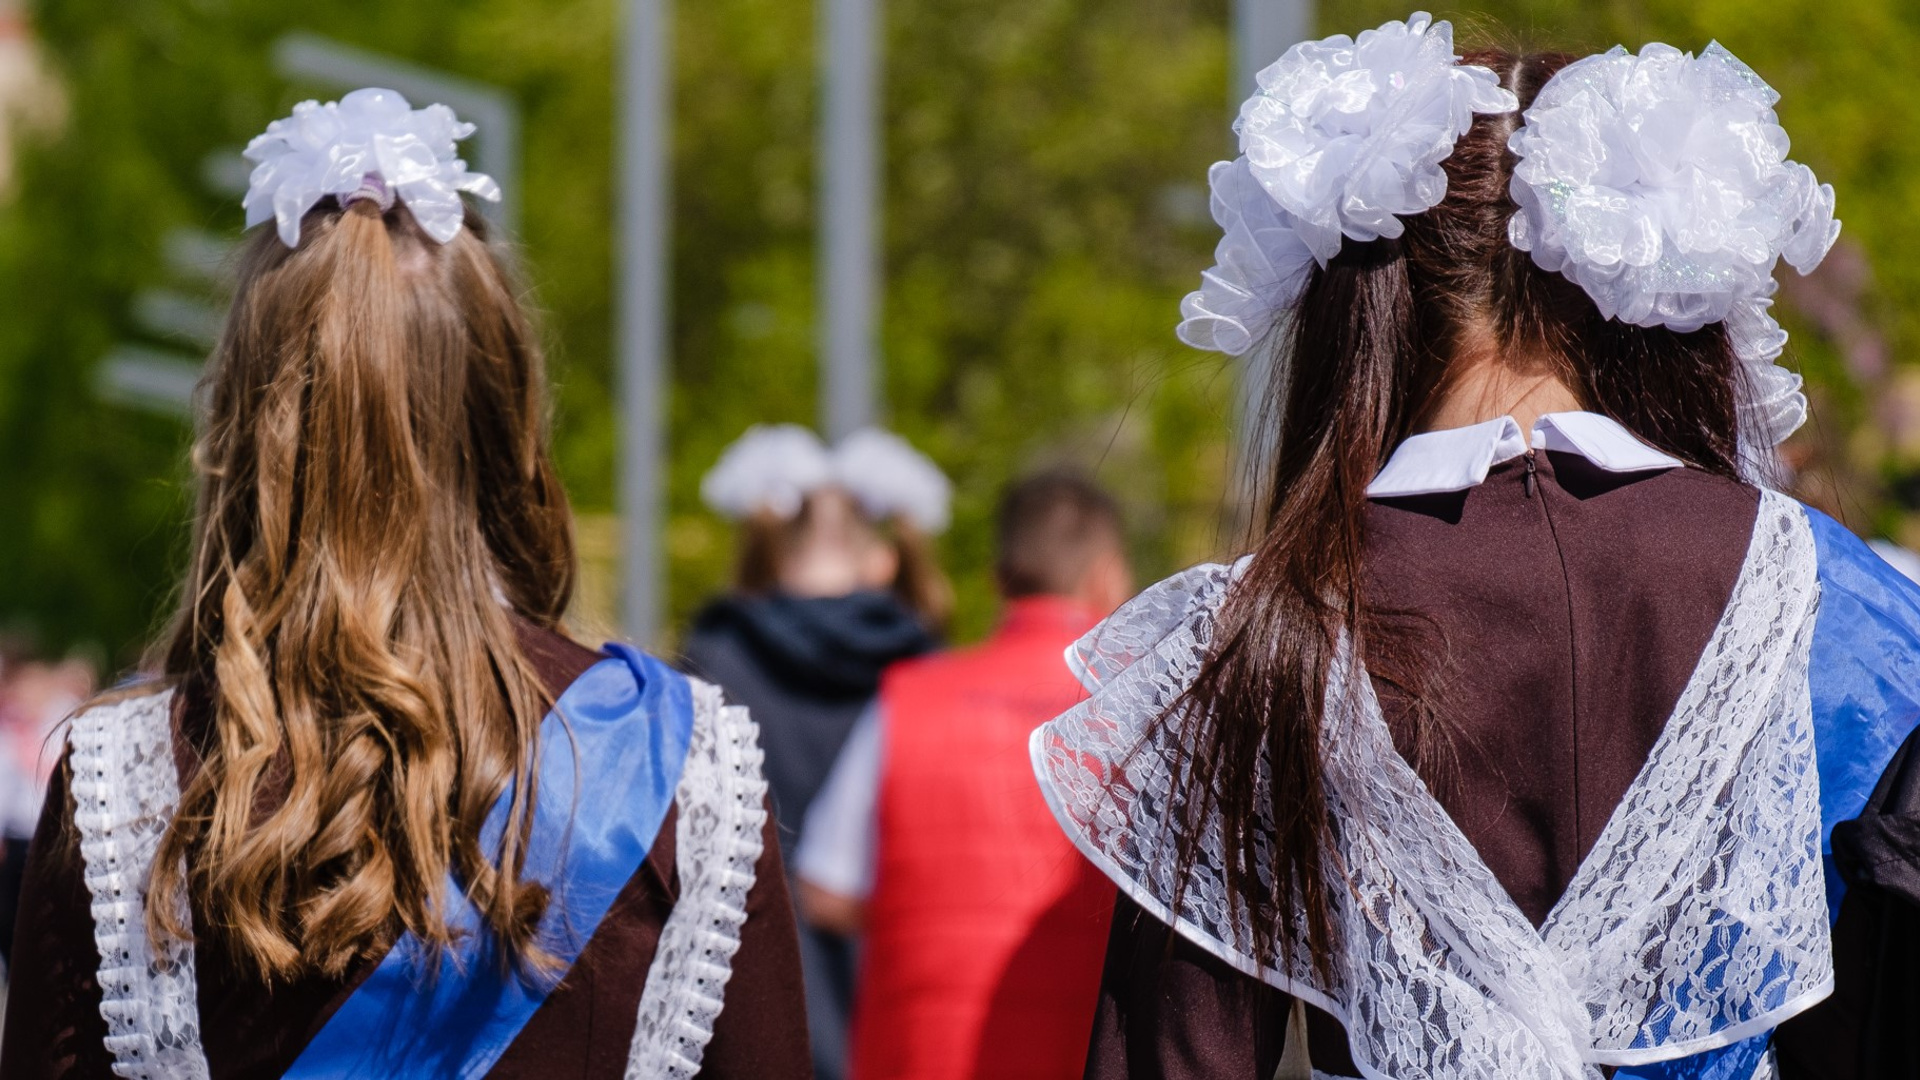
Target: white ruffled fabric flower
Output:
[(1261, 267), (1659, 183), (1772, 404), (772, 468), (1343, 139), (889, 478), (333, 150)]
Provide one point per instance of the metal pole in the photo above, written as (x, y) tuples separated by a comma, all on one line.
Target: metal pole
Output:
[(644, 183), (1262, 31), (849, 210)]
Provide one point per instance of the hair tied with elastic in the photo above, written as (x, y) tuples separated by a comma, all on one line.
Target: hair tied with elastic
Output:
[(1659, 183), (372, 189), (1343, 138), (772, 468), (370, 144)]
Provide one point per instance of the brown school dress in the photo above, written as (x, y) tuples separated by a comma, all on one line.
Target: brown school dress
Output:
[(1570, 612), (54, 1030)]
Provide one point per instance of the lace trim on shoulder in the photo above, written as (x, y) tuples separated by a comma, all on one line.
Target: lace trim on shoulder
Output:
[(124, 794), (722, 813)]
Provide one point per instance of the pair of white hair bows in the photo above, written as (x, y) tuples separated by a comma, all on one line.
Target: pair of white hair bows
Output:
[(774, 467), (1657, 182)]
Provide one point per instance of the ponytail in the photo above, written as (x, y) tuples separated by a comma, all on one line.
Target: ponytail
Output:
[(374, 480)]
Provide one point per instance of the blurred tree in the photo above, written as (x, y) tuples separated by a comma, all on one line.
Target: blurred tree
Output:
[(1045, 210), (1040, 221)]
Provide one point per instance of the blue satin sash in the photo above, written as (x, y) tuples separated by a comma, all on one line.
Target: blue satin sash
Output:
[(1865, 675), (617, 755), (1864, 683)]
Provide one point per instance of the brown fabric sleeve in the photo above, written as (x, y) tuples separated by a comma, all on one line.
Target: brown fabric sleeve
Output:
[(1168, 1010), (53, 1025), (762, 1031), (559, 659), (1843, 1037), (585, 1027)]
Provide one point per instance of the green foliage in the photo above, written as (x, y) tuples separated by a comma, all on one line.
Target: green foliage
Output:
[(1045, 210), (1032, 258)]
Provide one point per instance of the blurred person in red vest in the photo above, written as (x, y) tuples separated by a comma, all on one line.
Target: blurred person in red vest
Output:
[(984, 930)]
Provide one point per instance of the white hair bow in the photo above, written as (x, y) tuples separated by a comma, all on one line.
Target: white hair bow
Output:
[(774, 467), (1659, 183), (1343, 139), (889, 478), (371, 143)]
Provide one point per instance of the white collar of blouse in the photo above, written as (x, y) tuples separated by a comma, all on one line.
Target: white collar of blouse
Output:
[(1456, 459)]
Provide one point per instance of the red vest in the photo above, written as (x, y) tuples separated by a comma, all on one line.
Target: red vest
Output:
[(986, 930)]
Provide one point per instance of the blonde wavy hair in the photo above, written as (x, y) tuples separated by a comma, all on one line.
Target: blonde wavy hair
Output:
[(376, 507)]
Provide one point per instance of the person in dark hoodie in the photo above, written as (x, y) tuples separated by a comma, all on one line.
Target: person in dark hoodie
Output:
[(836, 581)]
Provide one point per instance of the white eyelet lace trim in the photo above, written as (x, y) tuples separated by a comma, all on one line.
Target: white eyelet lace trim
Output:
[(124, 794), (722, 812), (1698, 920)]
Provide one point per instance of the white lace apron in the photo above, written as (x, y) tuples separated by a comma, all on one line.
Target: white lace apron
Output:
[(1698, 920), (125, 791)]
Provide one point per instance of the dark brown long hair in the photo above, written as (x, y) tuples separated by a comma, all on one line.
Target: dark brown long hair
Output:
[(376, 507), (1368, 354)]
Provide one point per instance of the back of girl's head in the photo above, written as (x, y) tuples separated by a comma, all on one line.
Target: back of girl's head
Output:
[(826, 521), (1384, 326), (831, 546), (377, 506)]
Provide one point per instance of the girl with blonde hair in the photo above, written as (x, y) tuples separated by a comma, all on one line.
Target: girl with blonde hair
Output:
[(373, 812)]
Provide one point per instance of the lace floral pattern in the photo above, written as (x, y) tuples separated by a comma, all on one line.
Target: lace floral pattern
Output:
[(1698, 920), (722, 812), (124, 793)]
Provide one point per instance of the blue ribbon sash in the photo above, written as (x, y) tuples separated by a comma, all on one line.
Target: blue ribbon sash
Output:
[(615, 744)]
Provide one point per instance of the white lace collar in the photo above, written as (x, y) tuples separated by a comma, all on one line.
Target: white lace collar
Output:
[(1459, 458), (1698, 919)]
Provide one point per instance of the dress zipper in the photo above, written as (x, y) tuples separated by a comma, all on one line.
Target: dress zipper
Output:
[(1528, 481)]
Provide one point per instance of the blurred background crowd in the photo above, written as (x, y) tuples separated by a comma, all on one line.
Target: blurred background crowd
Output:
[(1043, 209)]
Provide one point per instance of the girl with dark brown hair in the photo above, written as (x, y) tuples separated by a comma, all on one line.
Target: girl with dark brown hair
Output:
[(373, 812), (1515, 745)]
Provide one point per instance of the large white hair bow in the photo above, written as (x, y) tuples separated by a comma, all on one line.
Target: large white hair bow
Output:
[(774, 467), (1343, 138), (1659, 183), (371, 142), (889, 478)]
